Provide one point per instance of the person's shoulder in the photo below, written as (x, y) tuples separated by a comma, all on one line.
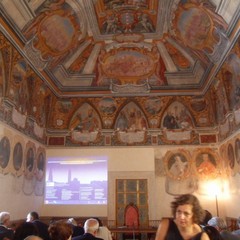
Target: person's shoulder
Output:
[(78, 230), (166, 220), (236, 232), (97, 238), (198, 227), (204, 236), (38, 221), (6, 233), (77, 238), (2, 228), (6, 230), (163, 228), (103, 229), (86, 236), (229, 235)]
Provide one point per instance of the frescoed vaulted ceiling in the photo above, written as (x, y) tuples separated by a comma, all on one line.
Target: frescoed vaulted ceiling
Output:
[(96, 47), (110, 59)]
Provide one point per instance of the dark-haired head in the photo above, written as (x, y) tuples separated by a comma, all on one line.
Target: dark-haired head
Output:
[(34, 215), (60, 230), (207, 217), (198, 212), (212, 233)]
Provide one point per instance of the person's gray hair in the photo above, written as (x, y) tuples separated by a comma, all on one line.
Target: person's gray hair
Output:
[(33, 237), (4, 216), (238, 221), (218, 222), (91, 225), (72, 221)]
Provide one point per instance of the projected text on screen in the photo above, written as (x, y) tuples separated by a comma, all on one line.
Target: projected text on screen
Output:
[(76, 181)]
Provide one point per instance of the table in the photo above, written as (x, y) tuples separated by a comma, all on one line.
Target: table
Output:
[(150, 231)]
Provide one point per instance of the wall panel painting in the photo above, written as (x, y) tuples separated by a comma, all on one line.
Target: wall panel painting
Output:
[(178, 171), (18, 156), (206, 165), (29, 168), (4, 152), (237, 150), (1, 75)]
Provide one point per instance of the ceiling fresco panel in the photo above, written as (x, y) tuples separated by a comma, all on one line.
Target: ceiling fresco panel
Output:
[(108, 72)]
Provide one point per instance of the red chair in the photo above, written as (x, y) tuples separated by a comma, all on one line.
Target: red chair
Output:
[(131, 220)]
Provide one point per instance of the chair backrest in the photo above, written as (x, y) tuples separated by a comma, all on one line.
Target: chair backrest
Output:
[(131, 215)]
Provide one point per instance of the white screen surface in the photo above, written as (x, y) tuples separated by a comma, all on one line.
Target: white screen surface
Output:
[(76, 180)]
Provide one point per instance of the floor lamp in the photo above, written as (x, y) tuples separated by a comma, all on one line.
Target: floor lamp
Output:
[(216, 200)]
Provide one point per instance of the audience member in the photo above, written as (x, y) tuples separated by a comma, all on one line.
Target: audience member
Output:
[(60, 230), (32, 237), (5, 231), (103, 232), (77, 230), (24, 230), (41, 226), (187, 215), (212, 233), (207, 217), (237, 232), (221, 226), (90, 227)]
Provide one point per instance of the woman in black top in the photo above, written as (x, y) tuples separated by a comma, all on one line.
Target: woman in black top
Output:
[(187, 214)]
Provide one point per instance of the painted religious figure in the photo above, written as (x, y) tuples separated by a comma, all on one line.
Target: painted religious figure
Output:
[(231, 157), (178, 175), (40, 167), (17, 156), (231, 76), (206, 165), (85, 125), (177, 116), (40, 173), (131, 118), (131, 125), (177, 166), (86, 120), (29, 163), (4, 152), (237, 150)]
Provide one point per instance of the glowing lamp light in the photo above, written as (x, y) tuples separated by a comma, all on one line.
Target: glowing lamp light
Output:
[(216, 188)]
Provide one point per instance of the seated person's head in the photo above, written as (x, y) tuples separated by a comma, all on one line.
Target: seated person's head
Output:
[(5, 218), (207, 217), (218, 223), (91, 226), (60, 230), (32, 237), (32, 216), (99, 221), (72, 221)]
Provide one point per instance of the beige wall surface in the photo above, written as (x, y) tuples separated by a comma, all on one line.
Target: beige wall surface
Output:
[(18, 194), (123, 163)]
